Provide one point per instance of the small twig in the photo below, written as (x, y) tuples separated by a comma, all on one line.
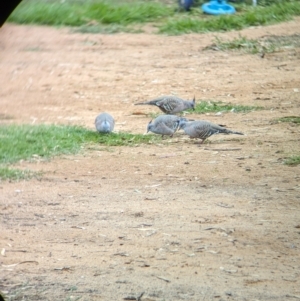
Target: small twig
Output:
[(63, 269), (222, 149), (15, 264), (162, 278), (121, 254), (224, 205), (134, 298)]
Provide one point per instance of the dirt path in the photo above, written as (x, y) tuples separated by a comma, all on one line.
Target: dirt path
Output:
[(173, 221)]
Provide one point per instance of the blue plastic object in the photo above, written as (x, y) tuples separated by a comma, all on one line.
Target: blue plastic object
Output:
[(218, 7), (185, 4)]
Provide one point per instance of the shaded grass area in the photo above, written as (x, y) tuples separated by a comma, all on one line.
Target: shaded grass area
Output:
[(213, 106), (28, 142), (99, 16)]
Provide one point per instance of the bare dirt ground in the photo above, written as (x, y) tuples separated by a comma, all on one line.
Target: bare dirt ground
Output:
[(167, 221)]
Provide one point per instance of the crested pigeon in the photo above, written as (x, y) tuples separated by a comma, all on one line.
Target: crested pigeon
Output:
[(165, 125), (104, 123), (170, 104), (203, 129)]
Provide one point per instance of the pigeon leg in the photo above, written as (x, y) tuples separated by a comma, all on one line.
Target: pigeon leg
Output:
[(201, 142)]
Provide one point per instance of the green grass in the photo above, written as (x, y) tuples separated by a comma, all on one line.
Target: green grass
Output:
[(213, 106), (74, 13), (292, 161), (127, 139), (163, 15), (290, 119), (16, 174), (253, 16), (28, 142)]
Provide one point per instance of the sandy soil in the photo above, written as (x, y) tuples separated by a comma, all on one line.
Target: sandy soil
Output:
[(167, 221)]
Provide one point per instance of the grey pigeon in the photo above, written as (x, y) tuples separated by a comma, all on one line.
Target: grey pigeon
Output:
[(170, 104), (203, 129), (104, 123), (165, 125)]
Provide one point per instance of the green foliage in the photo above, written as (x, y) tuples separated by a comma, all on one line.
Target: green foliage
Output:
[(45, 13), (267, 44), (241, 43), (44, 141), (126, 139), (120, 14), (212, 106), (290, 119), (253, 16), (22, 142), (292, 161), (28, 142), (73, 13), (15, 174), (127, 13), (271, 2)]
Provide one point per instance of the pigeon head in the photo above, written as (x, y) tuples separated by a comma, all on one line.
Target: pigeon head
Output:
[(191, 104), (105, 127), (182, 123), (150, 126)]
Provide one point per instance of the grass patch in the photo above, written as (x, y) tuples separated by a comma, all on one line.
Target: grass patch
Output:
[(290, 119), (213, 106), (35, 142), (42, 141), (164, 14), (292, 161), (252, 16), (7, 173), (127, 139), (106, 29), (267, 44), (76, 13), (241, 43), (28, 142)]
